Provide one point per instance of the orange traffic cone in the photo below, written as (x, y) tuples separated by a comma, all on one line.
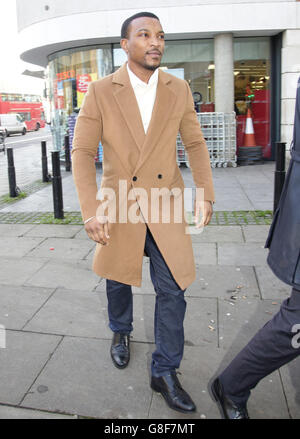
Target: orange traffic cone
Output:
[(249, 139)]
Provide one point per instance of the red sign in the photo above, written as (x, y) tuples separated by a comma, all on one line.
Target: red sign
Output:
[(65, 75), (58, 99), (82, 83)]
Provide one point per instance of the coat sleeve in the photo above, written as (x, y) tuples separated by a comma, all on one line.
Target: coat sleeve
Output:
[(196, 148), (87, 135)]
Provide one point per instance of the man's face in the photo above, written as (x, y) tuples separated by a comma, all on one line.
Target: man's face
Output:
[(145, 43)]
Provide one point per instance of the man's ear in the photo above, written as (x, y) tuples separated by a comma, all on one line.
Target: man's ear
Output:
[(124, 44)]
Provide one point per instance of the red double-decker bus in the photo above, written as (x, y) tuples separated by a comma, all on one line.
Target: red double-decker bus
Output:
[(28, 106)]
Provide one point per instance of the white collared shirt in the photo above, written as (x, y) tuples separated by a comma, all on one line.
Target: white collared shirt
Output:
[(145, 95)]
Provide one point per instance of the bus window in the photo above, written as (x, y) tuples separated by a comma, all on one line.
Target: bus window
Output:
[(25, 116)]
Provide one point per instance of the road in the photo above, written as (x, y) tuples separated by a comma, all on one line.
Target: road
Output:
[(27, 158)]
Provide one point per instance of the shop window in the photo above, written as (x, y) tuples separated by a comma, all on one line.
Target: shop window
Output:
[(252, 88), (70, 73)]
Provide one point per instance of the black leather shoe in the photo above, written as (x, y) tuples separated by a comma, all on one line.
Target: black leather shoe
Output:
[(120, 350), (174, 395), (228, 409)]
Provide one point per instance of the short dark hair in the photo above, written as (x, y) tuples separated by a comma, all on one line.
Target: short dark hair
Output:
[(126, 24)]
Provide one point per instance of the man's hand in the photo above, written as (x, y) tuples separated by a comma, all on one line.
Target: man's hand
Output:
[(206, 209), (97, 231)]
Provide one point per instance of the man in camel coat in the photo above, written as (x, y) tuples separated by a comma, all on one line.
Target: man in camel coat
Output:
[(137, 113)]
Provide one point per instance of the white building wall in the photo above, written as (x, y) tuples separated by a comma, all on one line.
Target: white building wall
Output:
[(53, 25), (204, 20), (33, 11)]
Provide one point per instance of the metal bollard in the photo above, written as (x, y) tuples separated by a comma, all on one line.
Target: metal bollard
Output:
[(57, 186), (67, 153), (46, 176), (13, 190), (279, 172)]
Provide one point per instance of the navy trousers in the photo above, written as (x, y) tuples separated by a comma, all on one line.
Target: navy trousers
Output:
[(274, 345), (169, 313)]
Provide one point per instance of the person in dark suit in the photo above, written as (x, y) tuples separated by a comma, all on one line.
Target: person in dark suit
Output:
[(278, 342)]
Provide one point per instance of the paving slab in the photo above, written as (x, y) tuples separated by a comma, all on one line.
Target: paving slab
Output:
[(8, 412), (258, 192), (80, 379), (82, 234), (224, 281), (255, 233), (75, 275), (18, 304), (247, 179), (239, 321), (242, 254), (90, 256), (54, 231), (63, 248), (268, 399), (16, 271), (18, 246), (205, 253), (16, 230), (291, 382), (21, 361), (71, 312), (201, 322), (218, 234), (270, 286), (232, 200), (262, 205)]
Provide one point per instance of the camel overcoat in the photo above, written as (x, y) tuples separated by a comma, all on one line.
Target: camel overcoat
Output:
[(139, 165)]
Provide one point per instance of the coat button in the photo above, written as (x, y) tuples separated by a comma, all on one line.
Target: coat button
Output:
[(159, 176), (134, 178)]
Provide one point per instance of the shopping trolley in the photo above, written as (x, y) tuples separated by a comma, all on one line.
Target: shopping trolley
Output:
[(219, 131)]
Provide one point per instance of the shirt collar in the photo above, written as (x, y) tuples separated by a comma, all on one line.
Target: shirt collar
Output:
[(137, 81)]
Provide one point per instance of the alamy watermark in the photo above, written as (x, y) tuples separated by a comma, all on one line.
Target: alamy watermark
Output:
[(2, 337), (296, 338), (159, 205)]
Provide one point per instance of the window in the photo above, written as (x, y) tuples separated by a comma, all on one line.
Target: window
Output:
[(25, 116), (70, 73), (252, 71)]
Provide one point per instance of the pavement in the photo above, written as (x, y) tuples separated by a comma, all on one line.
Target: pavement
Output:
[(27, 157), (241, 188), (54, 335)]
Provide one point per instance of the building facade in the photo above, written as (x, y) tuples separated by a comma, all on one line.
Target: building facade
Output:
[(232, 53)]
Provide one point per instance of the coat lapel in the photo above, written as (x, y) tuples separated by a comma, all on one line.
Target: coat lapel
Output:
[(163, 106), (128, 105)]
